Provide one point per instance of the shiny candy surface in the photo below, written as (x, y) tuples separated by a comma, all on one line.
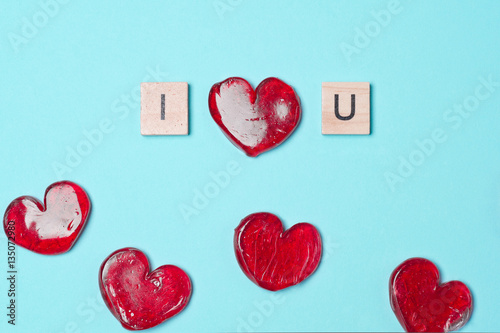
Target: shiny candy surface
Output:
[(52, 227), (138, 298), (255, 121), (273, 258), (422, 304)]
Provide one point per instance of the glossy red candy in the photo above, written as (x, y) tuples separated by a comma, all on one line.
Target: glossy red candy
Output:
[(422, 304), (52, 227), (138, 298), (273, 258), (255, 121)]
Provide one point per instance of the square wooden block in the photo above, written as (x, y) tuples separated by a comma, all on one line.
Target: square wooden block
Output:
[(345, 108), (164, 108)]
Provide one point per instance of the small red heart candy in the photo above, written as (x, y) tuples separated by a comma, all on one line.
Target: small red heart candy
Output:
[(273, 258), (138, 298), (52, 227), (422, 304), (255, 121)]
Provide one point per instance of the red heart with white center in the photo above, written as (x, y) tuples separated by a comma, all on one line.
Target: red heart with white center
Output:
[(422, 304), (52, 227), (138, 298), (272, 257), (255, 120)]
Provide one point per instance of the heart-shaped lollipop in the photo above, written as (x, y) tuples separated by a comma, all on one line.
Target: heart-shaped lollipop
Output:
[(138, 298), (273, 258), (52, 227), (422, 304), (255, 121)]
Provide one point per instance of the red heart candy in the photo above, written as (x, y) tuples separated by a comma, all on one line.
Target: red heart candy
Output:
[(422, 304), (53, 229), (138, 298), (273, 258), (255, 121)]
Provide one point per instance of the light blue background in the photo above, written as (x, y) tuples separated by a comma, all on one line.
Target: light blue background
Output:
[(72, 73)]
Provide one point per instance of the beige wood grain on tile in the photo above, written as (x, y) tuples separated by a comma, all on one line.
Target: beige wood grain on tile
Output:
[(176, 109), (359, 123)]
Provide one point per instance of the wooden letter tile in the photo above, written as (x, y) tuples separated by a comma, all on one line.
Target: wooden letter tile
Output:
[(346, 108), (164, 108)]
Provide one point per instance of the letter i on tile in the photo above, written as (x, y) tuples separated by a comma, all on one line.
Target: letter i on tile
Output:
[(164, 108), (345, 108)]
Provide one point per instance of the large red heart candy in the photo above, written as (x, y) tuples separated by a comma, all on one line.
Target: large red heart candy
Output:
[(138, 298), (422, 304), (273, 258), (52, 227), (255, 121)]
